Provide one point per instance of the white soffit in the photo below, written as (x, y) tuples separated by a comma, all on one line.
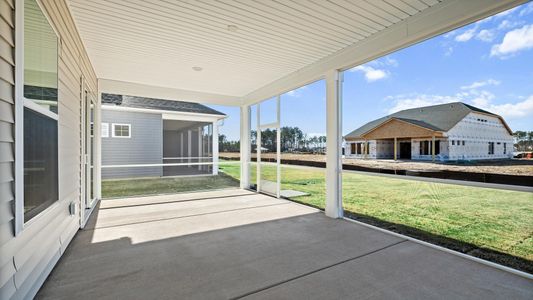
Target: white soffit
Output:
[(158, 42), (253, 49)]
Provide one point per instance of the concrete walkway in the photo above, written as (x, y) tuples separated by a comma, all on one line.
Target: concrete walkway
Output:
[(237, 244)]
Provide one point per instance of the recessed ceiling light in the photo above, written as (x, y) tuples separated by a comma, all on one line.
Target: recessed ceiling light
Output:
[(233, 28), (197, 69)]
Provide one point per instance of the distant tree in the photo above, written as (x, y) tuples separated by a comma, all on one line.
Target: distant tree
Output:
[(224, 145), (523, 140)]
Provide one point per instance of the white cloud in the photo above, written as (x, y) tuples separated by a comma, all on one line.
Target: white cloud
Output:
[(449, 51), (480, 99), (510, 110), (450, 34), (391, 62), (466, 36), (479, 84), (371, 74), (527, 10), (296, 92), (514, 41), (506, 24), (485, 35), (386, 61), (402, 102)]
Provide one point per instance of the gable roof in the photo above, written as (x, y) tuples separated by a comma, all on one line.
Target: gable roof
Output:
[(442, 117), (158, 104)]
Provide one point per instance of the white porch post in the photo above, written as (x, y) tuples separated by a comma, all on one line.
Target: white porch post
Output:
[(215, 148), (334, 144), (200, 152), (189, 145), (245, 146)]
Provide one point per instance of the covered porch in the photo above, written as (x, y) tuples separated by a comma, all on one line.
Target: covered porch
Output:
[(230, 243), (235, 244)]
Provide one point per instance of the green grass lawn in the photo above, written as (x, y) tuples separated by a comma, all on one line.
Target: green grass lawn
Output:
[(153, 186), (492, 219)]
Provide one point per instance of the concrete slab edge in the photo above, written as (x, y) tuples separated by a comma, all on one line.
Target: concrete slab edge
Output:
[(453, 252)]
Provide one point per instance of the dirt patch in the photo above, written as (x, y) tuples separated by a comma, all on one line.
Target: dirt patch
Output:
[(509, 167)]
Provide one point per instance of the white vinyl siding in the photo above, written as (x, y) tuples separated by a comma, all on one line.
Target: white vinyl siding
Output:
[(26, 260)]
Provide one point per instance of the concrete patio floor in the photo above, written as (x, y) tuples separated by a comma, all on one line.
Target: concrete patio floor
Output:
[(237, 244)]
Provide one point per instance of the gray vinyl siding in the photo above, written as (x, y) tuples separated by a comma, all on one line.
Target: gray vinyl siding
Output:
[(145, 146), (27, 259)]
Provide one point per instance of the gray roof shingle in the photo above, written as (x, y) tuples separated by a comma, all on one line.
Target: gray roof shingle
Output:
[(158, 104), (442, 117)]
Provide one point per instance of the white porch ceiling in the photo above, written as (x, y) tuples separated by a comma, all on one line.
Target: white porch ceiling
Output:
[(159, 42)]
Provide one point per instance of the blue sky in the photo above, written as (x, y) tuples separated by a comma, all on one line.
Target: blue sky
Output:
[(488, 64)]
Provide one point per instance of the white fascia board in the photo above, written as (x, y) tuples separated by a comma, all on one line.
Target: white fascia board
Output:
[(168, 115), (150, 91), (438, 19)]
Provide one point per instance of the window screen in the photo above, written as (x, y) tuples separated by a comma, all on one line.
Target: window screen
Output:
[(40, 163)]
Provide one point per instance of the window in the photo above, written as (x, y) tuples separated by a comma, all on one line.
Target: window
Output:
[(463, 143), (122, 130), (504, 148), (453, 142), (352, 148), (105, 130), (424, 147), (491, 147), (359, 149), (38, 112)]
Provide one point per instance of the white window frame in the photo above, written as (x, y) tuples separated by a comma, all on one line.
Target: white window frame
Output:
[(20, 103), (120, 124), (104, 130)]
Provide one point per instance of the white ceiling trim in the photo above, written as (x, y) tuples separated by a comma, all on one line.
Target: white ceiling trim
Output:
[(150, 91), (440, 18)]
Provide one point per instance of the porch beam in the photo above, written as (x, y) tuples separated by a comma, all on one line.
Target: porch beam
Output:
[(245, 146), (150, 91), (334, 144), (440, 18)]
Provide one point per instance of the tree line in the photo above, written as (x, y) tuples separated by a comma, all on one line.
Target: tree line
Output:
[(293, 139), (523, 140)]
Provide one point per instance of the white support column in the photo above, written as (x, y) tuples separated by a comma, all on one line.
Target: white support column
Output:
[(189, 145), (258, 148), (181, 144), (278, 148), (334, 144), (245, 146), (200, 152), (215, 148)]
